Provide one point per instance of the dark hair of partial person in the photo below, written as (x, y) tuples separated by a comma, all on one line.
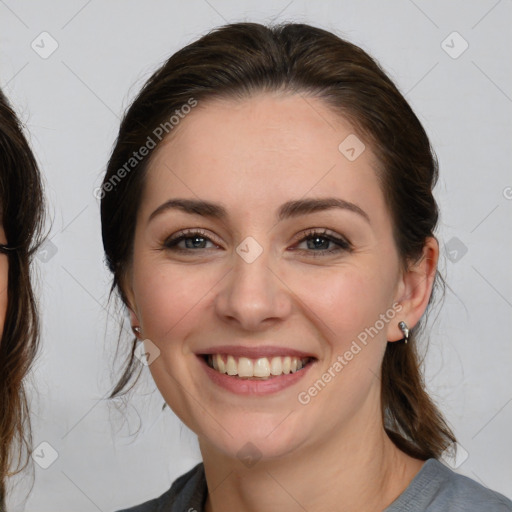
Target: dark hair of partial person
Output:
[(240, 60), (22, 217)]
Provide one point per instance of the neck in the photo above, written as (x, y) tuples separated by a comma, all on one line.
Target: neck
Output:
[(357, 470)]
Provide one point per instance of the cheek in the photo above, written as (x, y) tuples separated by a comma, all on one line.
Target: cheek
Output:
[(169, 298), (345, 305), (344, 301)]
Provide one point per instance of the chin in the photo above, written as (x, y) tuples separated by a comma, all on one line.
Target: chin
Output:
[(253, 438)]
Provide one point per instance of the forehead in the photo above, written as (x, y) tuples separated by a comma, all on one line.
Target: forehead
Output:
[(262, 150)]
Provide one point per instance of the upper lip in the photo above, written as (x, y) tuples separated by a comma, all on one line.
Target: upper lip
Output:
[(255, 352)]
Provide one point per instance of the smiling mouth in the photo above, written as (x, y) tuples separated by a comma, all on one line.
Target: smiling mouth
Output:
[(262, 368)]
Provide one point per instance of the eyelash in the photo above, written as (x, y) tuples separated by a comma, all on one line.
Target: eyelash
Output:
[(343, 245)]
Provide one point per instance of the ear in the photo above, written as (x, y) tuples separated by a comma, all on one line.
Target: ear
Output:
[(125, 283), (415, 289), (134, 321)]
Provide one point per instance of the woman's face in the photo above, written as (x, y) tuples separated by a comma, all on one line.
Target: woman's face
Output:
[(255, 282), (4, 267)]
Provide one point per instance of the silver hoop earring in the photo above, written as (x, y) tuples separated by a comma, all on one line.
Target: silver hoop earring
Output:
[(405, 331), (136, 330)]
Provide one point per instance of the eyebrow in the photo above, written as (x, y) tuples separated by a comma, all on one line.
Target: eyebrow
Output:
[(287, 210)]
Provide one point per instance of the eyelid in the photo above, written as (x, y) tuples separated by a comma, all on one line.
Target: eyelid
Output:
[(342, 243), (341, 240), (189, 232)]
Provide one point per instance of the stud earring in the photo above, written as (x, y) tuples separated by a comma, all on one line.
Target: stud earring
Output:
[(136, 330), (405, 330)]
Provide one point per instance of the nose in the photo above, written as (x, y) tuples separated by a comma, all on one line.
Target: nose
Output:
[(253, 296)]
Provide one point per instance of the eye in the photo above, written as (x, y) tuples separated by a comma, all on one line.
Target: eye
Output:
[(319, 242), (188, 240)]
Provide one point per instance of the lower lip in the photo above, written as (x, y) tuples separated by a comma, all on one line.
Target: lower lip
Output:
[(254, 387)]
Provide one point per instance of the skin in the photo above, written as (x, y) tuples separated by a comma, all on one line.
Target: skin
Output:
[(251, 156), (4, 267)]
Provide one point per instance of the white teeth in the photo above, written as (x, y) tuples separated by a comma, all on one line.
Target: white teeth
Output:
[(231, 366), (262, 367), (221, 365), (276, 366), (245, 367)]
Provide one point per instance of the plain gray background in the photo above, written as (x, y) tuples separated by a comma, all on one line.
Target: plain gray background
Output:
[(71, 101)]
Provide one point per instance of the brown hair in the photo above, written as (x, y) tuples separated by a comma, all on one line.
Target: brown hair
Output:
[(238, 60), (21, 207)]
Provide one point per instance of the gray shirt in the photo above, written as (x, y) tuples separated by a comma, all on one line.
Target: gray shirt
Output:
[(435, 488)]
